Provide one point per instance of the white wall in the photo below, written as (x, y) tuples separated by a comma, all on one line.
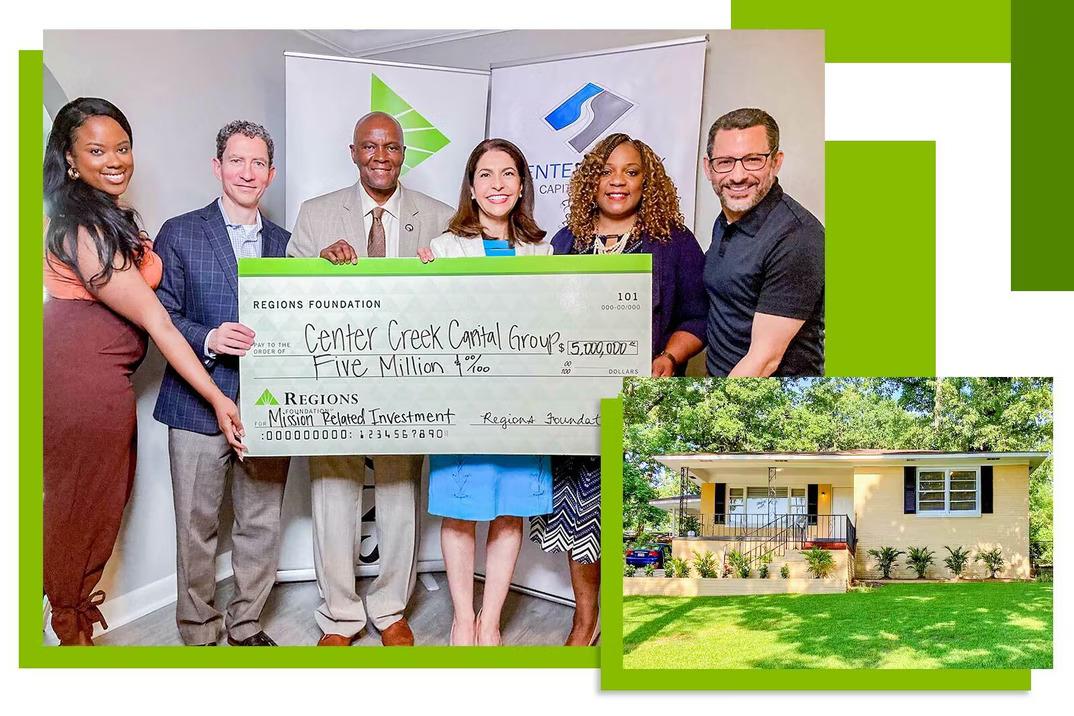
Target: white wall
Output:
[(781, 71)]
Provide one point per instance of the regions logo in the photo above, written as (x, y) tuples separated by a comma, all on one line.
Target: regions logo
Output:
[(421, 138), (267, 398), (604, 108)]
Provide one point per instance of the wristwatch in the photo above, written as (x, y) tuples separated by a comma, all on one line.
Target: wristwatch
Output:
[(674, 363)]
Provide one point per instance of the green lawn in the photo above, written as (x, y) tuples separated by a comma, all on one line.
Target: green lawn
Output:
[(899, 626)]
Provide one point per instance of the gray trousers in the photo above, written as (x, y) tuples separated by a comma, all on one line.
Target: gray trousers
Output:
[(199, 466), (336, 492)]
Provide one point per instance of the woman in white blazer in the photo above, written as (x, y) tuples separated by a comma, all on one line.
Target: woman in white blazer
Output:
[(495, 218)]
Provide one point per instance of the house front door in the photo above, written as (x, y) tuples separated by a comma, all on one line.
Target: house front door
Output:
[(843, 502)]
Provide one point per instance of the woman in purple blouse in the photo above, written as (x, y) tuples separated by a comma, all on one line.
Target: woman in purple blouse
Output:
[(621, 202)]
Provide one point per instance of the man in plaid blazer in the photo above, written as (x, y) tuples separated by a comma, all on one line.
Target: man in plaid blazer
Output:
[(200, 252)]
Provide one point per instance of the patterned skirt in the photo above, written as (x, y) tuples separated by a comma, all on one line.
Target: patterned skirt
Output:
[(574, 523)]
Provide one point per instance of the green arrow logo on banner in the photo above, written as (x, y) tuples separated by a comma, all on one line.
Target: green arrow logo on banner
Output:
[(422, 139), (267, 398)]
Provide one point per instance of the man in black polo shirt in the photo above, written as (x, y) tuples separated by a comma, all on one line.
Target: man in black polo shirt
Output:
[(764, 271)]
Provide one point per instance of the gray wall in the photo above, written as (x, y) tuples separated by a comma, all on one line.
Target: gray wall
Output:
[(781, 71), (177, 89)]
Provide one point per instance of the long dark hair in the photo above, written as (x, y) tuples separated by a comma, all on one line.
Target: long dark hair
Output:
[(71, 203), (521, 226)]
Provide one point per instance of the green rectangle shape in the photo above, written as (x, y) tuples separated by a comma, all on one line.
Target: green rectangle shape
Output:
[(613, 677), (907, 31), (880, 255), (487, 266), (31, 330), (290, 657), (1042, 254), (32, 652)]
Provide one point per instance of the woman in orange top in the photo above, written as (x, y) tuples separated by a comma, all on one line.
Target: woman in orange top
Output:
[(100, 273)]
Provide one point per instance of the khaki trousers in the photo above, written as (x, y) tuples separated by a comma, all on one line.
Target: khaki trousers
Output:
[(199, 466), (336, 492)]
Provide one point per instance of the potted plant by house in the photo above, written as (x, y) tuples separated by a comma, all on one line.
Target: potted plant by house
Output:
[(819, 562), (886, 559), (993, 560), (956, 559), (920, 559)]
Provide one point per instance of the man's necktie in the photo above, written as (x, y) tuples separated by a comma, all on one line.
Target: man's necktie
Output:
[(376, 234)]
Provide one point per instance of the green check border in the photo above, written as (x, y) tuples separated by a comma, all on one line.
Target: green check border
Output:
[(910, 31), (481, 266)]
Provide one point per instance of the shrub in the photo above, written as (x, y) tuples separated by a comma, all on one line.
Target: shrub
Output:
[(920, 559), (993, 560), (886, 558), (956, 560), (705, 564), (680, 567), (629, 570), (763, 571), (650, 569), (819, 562), (669, 570), (740, 566), (785, 572)]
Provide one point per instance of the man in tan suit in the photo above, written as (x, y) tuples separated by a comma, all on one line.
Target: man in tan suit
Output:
[(375, 217)]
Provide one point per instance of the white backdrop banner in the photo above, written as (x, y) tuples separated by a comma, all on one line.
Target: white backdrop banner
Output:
[(442, 111), (555, 110)]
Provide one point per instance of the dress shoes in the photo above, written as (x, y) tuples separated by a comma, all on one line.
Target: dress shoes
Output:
[(398, 634), (258, 639), (335, 640)]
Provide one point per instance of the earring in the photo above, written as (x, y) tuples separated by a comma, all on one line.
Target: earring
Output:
[(72, 172)]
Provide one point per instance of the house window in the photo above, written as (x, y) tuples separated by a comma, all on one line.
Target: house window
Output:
[(798, 501), (736, 502), (948, 491)]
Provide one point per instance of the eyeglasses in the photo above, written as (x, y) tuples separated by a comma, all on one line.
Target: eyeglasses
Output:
[(750, 162)]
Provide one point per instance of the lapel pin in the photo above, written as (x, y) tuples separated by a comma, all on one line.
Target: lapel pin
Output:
[(409, 227)]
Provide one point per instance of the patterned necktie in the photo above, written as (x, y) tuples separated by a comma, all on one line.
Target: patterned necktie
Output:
[(376, 234)]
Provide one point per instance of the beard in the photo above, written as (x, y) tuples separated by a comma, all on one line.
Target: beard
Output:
[(742, 205)]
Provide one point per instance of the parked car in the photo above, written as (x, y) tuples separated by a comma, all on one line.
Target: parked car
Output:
[(646, 554)]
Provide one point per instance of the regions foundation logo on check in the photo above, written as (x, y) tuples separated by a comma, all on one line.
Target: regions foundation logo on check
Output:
[(599, 105)]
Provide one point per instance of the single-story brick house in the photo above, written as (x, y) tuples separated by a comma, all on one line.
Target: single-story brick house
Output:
[(856, 500)]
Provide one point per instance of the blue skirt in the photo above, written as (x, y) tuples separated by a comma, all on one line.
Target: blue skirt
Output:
[(484, 487)]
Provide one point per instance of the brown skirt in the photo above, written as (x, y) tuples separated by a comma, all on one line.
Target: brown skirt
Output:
[(90, 442)]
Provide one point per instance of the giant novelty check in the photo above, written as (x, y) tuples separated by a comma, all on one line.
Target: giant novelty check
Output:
[(470, 356)]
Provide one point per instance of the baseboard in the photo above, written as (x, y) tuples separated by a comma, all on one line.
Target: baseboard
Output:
[(361, 570), (125, 608)]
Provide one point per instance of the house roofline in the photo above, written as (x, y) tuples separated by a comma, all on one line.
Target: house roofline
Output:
[(848, 459)]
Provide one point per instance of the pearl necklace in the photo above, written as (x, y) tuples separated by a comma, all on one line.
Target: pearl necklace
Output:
[(616, 248)]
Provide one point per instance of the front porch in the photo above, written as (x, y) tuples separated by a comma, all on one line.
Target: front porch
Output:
[(766, 510)]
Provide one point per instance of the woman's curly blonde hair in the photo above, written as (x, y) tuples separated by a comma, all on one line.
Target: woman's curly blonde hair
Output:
[(658, 212)]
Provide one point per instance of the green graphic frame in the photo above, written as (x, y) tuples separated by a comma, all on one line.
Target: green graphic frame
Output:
[(911, 31)]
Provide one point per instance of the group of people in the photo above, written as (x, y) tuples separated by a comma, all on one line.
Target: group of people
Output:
[(755, 301)]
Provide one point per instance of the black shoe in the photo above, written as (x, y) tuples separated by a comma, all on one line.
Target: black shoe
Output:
[(212, 643), (258, 639)]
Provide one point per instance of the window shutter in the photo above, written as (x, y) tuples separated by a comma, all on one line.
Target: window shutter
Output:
[(811, 502), (909, 490), (986, 489), (721, 503)]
